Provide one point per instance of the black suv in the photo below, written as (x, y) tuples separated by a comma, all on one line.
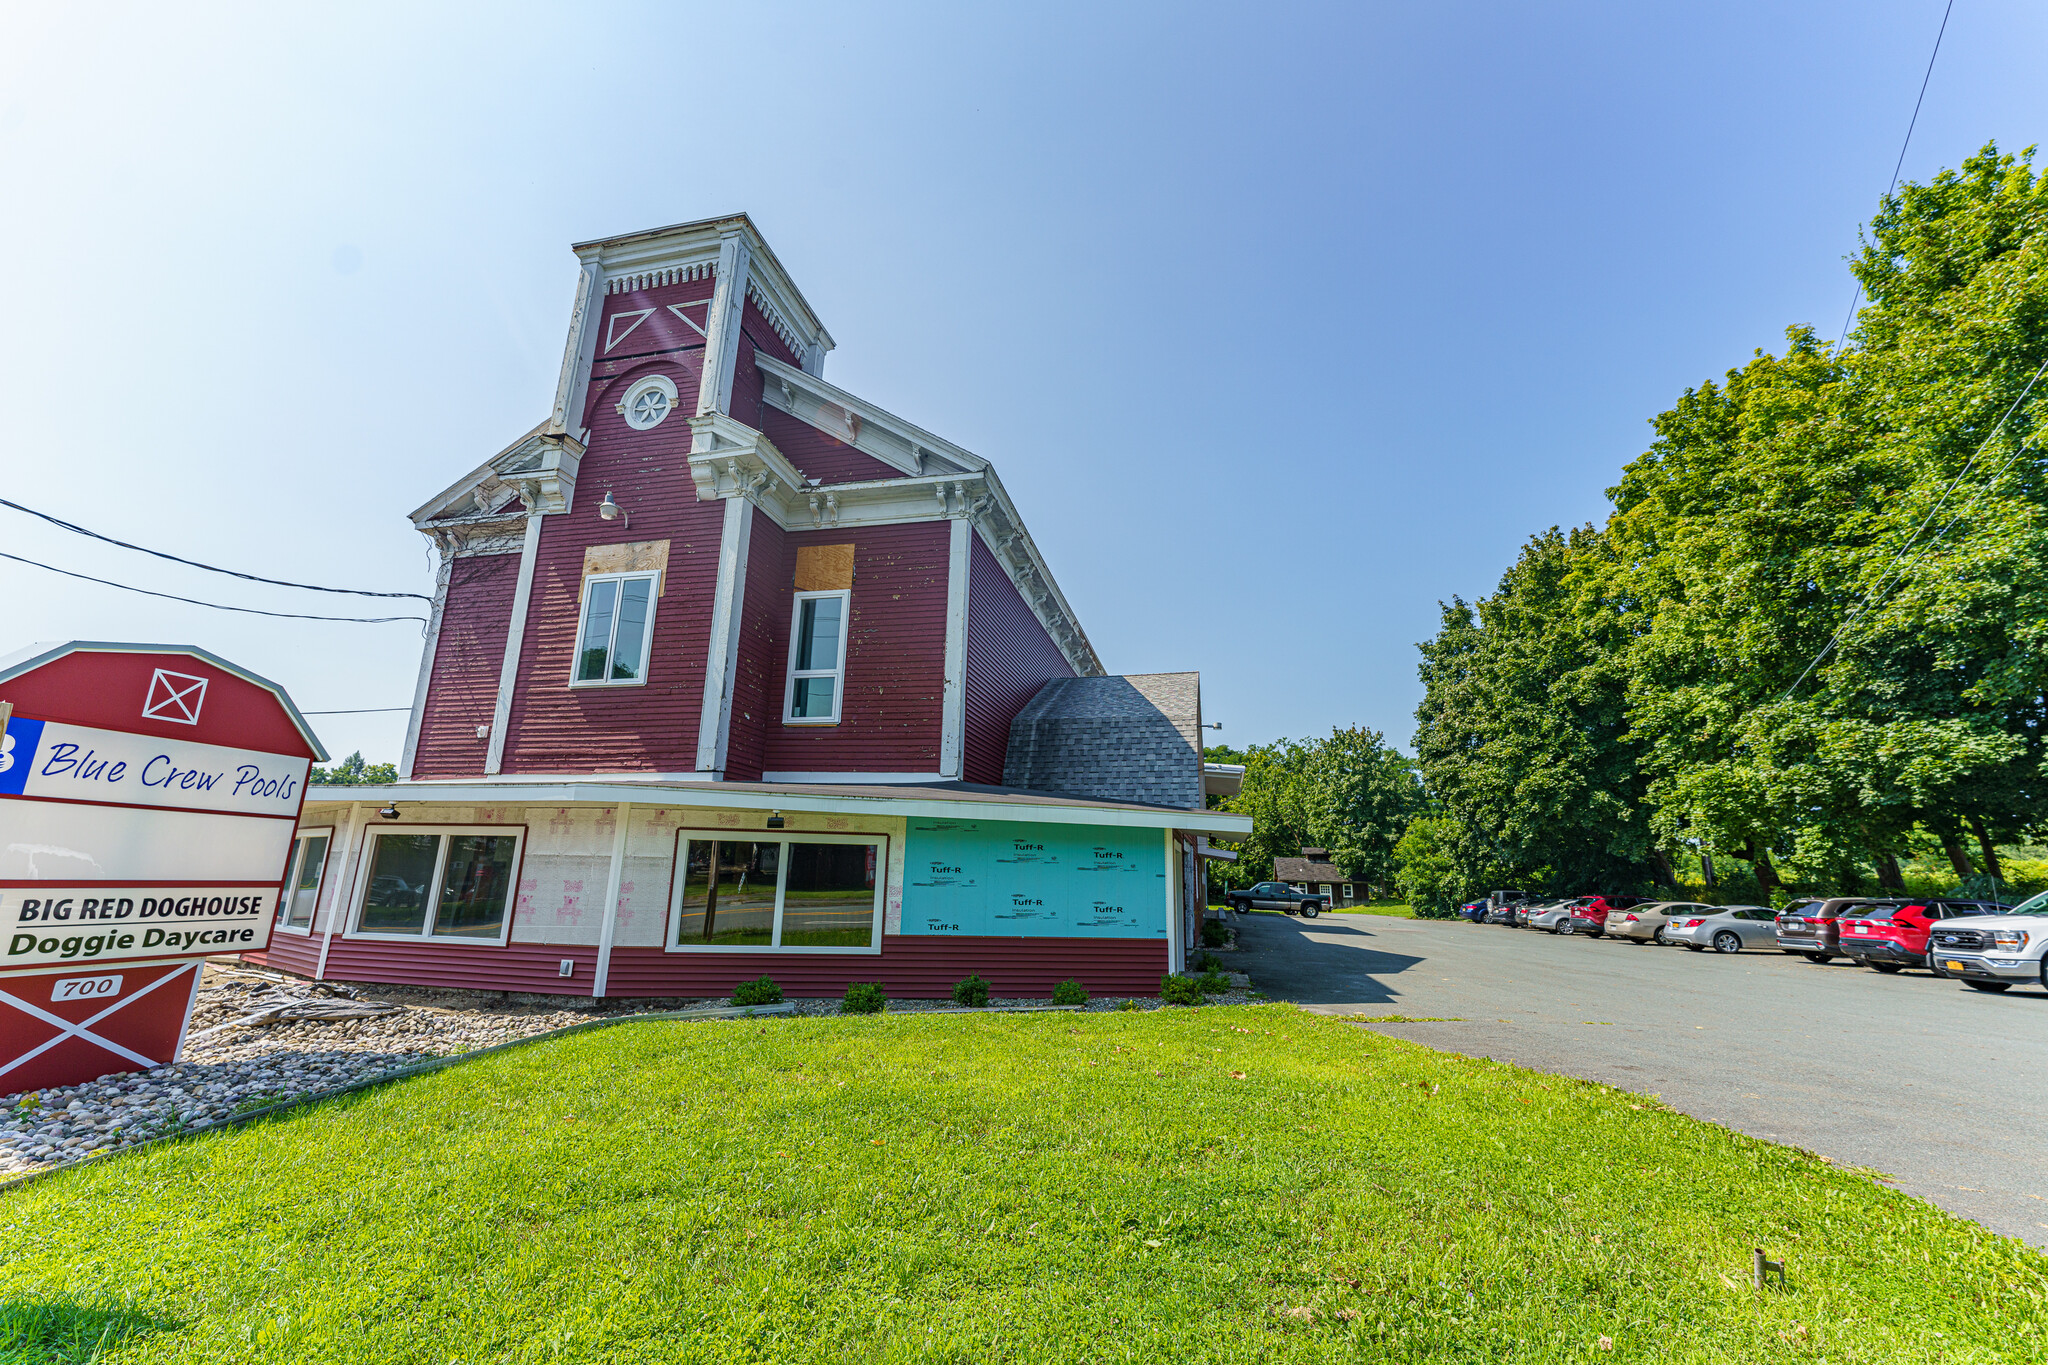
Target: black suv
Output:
[(1278, 896)]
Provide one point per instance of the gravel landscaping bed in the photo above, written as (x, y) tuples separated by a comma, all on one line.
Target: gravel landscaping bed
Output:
[(233, 1070)]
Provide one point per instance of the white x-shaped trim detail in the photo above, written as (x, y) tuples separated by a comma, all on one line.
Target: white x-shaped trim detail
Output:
[(67, 1029)]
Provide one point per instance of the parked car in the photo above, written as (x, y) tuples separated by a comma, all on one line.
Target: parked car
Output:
[(1646, 923), (1556, 917), (1278, 896), (1591, 918), (1994, 952), (1475, 913), (1504, 907), (1890, 937), (1725, 928), (1813, 927)]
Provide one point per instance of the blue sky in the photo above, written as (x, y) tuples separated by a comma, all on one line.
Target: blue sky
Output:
[(1281, 322)]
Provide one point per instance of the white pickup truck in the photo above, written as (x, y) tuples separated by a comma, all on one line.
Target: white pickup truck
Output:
[(1994, 952)]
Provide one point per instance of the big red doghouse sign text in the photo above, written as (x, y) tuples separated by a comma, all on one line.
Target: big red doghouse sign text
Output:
[(93, 924)]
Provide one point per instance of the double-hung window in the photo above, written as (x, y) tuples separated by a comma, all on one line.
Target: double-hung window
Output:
[(450, 885), (302, 879), (818, 893), (613, 638), (817, 658)]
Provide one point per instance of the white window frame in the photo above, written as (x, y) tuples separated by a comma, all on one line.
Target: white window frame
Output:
[(1349, 893), (291, 878), (641, 386), (838, 675), (426, 934), (653, 578), (679, 870)]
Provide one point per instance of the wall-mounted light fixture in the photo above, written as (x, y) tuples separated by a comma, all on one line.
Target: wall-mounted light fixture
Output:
[(775, 820), (611, 511), (1213, 725), (390, 812)]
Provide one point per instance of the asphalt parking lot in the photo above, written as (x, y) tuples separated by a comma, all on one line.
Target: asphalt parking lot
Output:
[(1942, 1088)]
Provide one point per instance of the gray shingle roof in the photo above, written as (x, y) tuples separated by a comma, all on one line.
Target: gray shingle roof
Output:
[(1135, 738), (1303, 870)]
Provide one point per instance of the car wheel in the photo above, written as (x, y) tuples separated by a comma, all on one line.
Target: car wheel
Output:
[(1994, 987), (1695, 947), (1886, 967), (1823, 958), (1310, 909), (1596, 933), (1567, 928), (1241, 907), (1727, 941), (1657, 936)]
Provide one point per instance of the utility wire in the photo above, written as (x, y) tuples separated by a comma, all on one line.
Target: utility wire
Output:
[(251, 611), (1899, 561), (359, 711), (1912, 123), (212, 568)]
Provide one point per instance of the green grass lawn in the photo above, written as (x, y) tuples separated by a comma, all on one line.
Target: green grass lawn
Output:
[(1244, 1184)]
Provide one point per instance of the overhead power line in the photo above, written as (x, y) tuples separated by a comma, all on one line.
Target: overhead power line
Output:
[(210, 568), (217, 606), (359, 711), (1900, 165)]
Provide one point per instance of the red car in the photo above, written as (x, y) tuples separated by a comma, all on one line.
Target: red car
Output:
[(1889, 937), (1591, 917)]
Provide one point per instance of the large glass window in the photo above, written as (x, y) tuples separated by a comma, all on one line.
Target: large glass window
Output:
[(443, 884), (817, 657), (302, 879), (815, 892), (618, 620)]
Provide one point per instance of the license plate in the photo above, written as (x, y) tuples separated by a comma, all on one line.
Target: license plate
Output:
[(1953, 966)]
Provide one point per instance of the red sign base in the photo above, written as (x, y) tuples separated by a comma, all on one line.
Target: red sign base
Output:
[(72, 1025)]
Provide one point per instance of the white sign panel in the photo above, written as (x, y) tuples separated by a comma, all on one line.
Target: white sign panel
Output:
[(74, 763), (53, 841), (59, 924)]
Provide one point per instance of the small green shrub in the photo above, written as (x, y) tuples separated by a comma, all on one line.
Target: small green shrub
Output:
[(1180, 990), (760, 991), (1128, 1004), (1213, 982), (973, 991), (863, 997), (1206, 962), (1214, 935), (1070, 992)]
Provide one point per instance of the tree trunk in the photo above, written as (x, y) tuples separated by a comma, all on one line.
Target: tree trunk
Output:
[(1666, 874), (1766, 875), (1984, 842), (1958, 860), (1889, 876)]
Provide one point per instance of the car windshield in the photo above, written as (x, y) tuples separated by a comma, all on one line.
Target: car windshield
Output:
[(2036, 906)]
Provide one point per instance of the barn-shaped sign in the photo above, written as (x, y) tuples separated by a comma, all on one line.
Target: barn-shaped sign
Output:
[(148, 798)]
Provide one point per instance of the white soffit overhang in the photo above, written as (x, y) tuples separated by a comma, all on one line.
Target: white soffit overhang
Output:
[(867, 428)]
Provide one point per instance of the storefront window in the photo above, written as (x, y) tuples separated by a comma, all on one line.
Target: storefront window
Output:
[(444, 884), (810, 892)]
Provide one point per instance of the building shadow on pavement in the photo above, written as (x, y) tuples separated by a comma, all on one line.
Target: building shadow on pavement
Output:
[(1331, 960)]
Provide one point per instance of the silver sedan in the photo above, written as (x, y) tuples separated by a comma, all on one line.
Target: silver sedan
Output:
[(1724, 928), (1556, 917)]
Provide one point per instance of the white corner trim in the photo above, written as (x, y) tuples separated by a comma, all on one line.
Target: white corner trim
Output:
[(1176, 950), (515, 644), (344, 881), (721, 660), (722, 323), (622, 814), (428, 650), (580, 352), (953, 708)]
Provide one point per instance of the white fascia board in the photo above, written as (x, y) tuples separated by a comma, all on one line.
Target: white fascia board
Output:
[(1010, 541), (684, 245), (546, 462), (714, 796), (856, 779), (901, 439)]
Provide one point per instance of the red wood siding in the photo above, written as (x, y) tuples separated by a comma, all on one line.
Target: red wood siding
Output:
[(895, 656), (746, 405), (463, 689), (464, 966), (758, 675), (911, 966), (652, 727), (755, 324), (295, 953), (819, 455), (1009, 657)]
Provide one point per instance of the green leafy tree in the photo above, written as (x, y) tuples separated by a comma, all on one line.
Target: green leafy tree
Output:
[(353, 772)]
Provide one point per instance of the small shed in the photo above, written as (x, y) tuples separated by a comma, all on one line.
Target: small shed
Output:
[(1313, 871)]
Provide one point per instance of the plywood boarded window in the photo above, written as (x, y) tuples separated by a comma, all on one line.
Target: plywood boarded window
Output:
[(824, 568), (638, 556)]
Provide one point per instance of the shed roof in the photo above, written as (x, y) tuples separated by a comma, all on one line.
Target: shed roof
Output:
[(1122, 738), (1304, 870)]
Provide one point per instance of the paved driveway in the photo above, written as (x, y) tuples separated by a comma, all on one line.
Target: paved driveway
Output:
[(1942, 1087)]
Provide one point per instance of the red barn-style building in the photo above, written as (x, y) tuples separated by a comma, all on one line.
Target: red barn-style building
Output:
[(731, 672)]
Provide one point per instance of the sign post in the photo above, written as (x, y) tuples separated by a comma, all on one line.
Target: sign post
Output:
[(148, 799)]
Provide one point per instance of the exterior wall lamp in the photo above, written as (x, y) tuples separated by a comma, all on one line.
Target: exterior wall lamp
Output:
[(611, 511), (390, 812)]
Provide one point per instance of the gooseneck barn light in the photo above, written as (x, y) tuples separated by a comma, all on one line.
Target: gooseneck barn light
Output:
[(611, 511)]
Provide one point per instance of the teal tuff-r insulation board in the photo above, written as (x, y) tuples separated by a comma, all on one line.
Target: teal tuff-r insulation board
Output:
[(1000, 878)]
